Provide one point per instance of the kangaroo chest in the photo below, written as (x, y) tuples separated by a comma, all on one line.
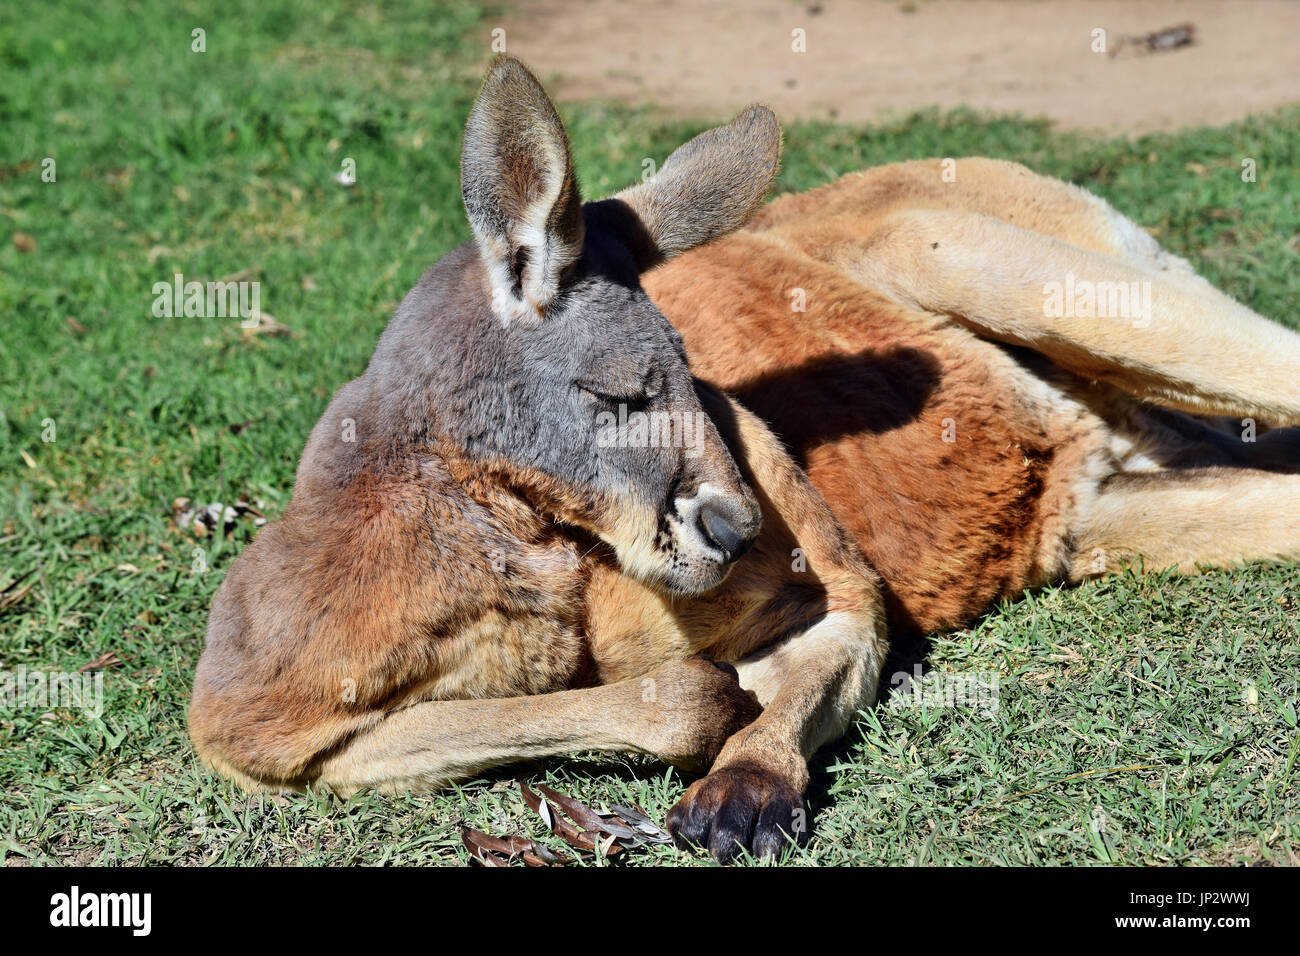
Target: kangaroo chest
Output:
[(958, 469)]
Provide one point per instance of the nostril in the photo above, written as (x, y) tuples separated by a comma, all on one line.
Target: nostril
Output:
[(721, 527)]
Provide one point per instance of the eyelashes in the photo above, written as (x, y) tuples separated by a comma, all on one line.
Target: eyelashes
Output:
[(635, 395), (634, 401)]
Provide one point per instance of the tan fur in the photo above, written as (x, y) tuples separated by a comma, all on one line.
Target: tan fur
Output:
[(344, 655), (951, 526)]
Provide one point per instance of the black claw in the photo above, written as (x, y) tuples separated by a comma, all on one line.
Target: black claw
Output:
[(781, 823), (739, 808), (688, 827), (673, 824), (733, 830)]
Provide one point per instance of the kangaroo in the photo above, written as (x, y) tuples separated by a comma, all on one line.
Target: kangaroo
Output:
[(659, 473)]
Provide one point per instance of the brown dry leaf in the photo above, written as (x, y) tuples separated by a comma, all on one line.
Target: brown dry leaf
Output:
[(587, 838), (485, 849), (75, 327), (102, 663), (1170, 38), (24, 242), (558, 825), (477, 853), (538, 806), (647, 829), (243, 275), (604, 833), (207, 519), (267, 324), (1157, 41), (586, 817)]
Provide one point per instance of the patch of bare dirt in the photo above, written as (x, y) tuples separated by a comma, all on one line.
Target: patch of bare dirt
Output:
[(871, 58)]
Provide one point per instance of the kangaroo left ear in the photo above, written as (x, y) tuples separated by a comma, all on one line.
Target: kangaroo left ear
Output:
[(516, 177), (706, 189)]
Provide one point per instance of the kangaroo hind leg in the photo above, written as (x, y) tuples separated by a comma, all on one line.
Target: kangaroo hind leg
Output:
[(1161, 334), (1186, 518)]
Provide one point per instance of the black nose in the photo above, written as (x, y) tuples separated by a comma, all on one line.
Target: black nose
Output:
[(729, 527)]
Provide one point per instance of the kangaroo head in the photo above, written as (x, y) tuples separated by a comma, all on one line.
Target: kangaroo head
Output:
[(565, 374)]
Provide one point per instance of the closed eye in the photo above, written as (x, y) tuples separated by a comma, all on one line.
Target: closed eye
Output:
[(635, 400), (634, 392)]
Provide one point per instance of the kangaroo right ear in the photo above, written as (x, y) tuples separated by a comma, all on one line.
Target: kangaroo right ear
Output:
[(516, 176), (705, 189)]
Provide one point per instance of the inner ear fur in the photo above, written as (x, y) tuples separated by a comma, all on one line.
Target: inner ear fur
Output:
[(707, 188), (521, 196)]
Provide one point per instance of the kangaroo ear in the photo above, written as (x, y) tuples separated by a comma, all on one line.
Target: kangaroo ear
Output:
[(516, 176), (706, 188)]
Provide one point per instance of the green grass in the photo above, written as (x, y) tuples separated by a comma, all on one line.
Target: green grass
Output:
[(1164, 708)]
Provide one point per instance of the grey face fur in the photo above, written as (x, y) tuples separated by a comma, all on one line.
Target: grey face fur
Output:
[(549, 356)]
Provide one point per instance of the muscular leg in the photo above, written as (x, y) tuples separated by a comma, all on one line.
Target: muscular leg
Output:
[(1193, 348), (810, 682), (1184, 518), (810, 687), (681, 712)]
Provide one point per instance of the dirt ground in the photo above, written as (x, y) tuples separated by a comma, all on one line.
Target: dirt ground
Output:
[(871, 58)]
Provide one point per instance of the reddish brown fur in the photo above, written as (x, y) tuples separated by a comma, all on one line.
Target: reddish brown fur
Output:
[(403, 614), (353, 586), (406, 615), (950, 527), (425, 610), (393, 610)]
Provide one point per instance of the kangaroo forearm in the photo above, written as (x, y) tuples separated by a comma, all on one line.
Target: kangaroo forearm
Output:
[(681, 712), (811, 686), (438, 742)]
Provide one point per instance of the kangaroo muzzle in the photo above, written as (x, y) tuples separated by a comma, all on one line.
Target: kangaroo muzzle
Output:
[(720, 524)]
